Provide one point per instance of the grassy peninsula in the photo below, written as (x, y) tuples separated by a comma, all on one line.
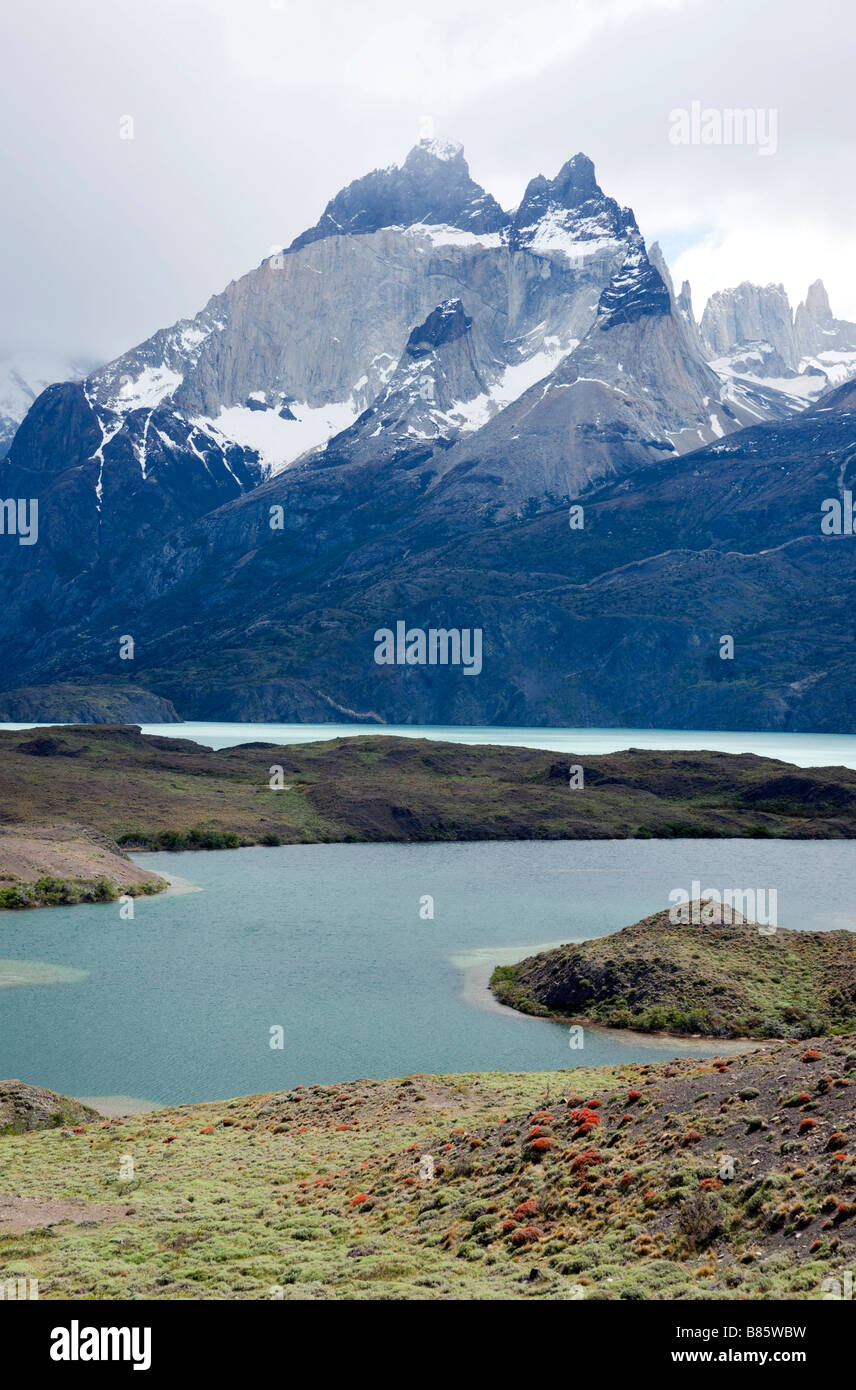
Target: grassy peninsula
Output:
[(716, 974)]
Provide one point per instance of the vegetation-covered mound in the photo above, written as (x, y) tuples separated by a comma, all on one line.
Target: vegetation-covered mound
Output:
[(708, 975), (722, 1179)]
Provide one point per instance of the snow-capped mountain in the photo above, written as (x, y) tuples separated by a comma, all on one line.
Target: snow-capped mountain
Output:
[(414, 390), (753, 339), (294, 352)]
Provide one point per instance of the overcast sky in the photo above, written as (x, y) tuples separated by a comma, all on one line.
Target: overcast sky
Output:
[(249, 114)]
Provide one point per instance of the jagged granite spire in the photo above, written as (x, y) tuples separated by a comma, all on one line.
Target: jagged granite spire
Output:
[(750, 316), (816, 329)]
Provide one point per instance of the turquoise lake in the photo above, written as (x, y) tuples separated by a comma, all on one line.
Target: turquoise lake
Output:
[(326, 941)]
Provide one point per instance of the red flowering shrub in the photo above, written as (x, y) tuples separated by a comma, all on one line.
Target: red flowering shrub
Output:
[(208, 1129), (810, 1055), (542, 1117), (537, 1131), (360, 1197), (524, 1235), (632, 1096), (625, 1180), (543, 1144), (344, 1126), (592, 1104), (508, 1226), (587, 1159), (525, 1210), (710, 1184), (692, 1136), (806, 1124), (475, 1143)]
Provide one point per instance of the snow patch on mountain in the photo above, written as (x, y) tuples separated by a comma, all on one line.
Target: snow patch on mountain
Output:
[(150, 388), (579, 239), (280, 441), (441, 149), (440, 235)]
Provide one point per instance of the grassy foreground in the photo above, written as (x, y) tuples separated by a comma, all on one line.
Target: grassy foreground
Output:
[(717, 1180)]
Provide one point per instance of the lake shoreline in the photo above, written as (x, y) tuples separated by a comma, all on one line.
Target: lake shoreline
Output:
[(329, 942), (478, 981), (131, 792)]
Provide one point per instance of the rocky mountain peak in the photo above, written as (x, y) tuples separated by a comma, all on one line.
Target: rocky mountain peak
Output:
[(636, 290), (432, 186), (574, 185), (429, 149), (829, 343), (570, 214), (750, 335)]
